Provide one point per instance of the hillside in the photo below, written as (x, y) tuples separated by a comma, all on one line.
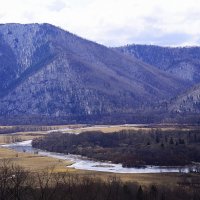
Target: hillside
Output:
[(182, 62), (48, 72), (188, 102)]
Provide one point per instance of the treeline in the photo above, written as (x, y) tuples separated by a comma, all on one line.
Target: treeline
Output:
[(19, 184), (129, 147), (15, 129), (140, 117)]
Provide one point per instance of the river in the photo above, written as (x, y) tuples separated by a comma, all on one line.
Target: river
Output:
[(83, 163)]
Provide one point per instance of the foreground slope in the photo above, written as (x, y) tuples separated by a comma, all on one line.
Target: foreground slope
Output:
[(46, 71)]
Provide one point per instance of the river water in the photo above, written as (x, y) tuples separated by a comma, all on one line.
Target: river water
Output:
[(83, 163)]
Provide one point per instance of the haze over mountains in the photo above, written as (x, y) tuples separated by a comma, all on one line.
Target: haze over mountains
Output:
[(46, 72)]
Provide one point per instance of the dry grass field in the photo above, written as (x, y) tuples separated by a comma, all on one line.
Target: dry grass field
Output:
[(116, 128), (38, 163), (33, 162), (20, 136)]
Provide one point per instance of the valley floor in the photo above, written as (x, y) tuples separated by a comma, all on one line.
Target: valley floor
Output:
[(35, 163)]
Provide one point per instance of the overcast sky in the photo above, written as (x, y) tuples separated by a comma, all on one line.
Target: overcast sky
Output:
[(114, 22)]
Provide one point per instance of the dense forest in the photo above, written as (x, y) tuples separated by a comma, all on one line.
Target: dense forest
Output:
[(19, 184), (132, 148), (141, 117)]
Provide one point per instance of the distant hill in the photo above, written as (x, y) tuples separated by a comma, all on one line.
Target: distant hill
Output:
[(46, 72), (188, 102), (183, 62)]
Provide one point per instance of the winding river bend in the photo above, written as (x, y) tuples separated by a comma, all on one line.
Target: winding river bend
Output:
[(83, 163)]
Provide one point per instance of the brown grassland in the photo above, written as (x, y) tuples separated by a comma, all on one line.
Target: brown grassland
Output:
[(35, 163)]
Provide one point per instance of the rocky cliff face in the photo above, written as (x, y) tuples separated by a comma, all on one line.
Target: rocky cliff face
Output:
[(181, 62), (46, 71)]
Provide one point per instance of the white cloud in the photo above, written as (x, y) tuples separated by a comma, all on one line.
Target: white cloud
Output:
[(113, 22)]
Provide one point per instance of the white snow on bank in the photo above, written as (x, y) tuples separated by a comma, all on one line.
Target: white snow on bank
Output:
[(24, 143), (83, 163), (117, 168)]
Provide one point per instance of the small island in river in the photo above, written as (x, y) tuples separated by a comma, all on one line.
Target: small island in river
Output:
[(132, 148)]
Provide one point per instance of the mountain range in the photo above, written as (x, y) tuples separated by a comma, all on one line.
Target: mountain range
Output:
[(49, 75), (182, 62)]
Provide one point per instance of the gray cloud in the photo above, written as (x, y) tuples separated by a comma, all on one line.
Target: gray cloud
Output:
[(57, 6), (113, 22), (163, 39), (129, 35)]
